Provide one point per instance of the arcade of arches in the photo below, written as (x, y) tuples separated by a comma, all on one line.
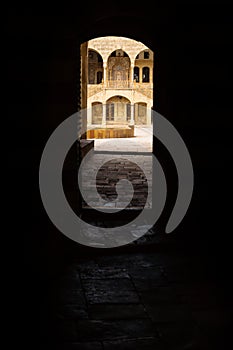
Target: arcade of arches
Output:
[(119, 83)]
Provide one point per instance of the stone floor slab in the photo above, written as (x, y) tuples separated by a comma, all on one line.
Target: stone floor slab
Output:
[(117, 311), (111, 291), (134, 344)]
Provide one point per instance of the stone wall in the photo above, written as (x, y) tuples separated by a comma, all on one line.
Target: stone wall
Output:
[(106, 45)]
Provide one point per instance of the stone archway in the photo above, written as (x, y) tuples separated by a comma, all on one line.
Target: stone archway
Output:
[(118, 113), (118, 67)]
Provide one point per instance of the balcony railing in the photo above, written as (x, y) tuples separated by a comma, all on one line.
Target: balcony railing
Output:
[(144, 88), (119, 84)]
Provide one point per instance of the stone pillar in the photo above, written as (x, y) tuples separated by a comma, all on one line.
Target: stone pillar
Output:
[(105, 72), (131, 78), (132, 115), (140, 74), (151, 74), (104, 115)]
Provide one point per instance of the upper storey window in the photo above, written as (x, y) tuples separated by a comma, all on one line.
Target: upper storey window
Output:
[(146, 55)]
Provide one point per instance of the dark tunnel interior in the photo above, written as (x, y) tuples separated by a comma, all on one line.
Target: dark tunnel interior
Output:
[(164, 291)]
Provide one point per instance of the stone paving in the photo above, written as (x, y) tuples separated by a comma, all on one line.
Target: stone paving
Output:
[(139, 300), (102, 171), (101, 177), (142, 142), (119, 159)]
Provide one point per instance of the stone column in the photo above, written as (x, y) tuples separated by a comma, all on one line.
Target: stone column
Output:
[(131, 79), (140, 74), (104, 115), (151, 74), (105, 72), (132, 115)]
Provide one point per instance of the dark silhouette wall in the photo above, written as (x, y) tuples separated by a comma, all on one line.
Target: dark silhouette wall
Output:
[(192, 89)]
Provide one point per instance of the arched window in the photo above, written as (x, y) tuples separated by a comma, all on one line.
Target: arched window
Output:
[(110, 111), (128, 112), (136, 74), (146, 55), (95, 67), (99, 77), (118, 68), (97, 112), (145, 74)]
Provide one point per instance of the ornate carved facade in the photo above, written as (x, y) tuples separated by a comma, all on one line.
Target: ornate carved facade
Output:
[(120, 82)]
